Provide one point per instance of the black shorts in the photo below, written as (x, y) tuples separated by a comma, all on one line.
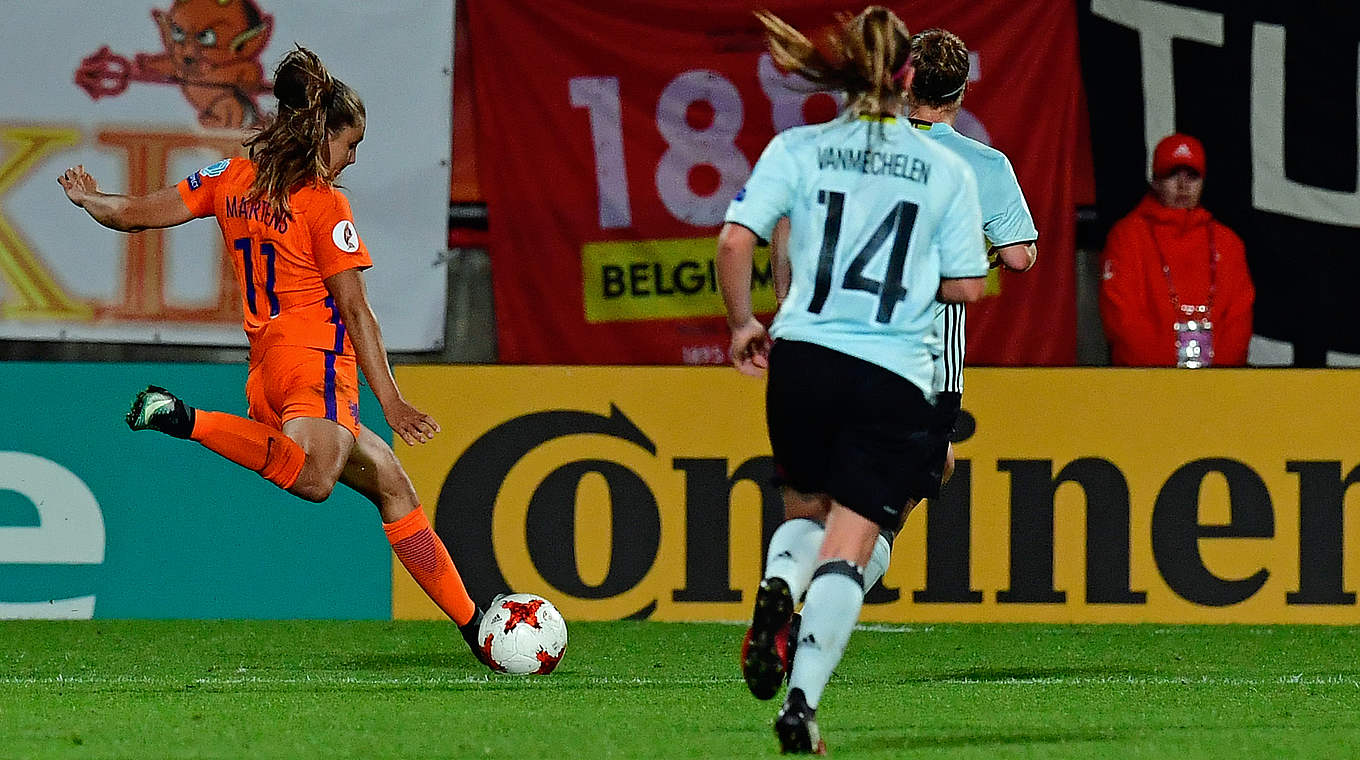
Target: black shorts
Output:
[(850, 429), (947, 406)]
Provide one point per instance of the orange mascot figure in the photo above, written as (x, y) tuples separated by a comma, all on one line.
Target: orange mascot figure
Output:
[(212, 51)]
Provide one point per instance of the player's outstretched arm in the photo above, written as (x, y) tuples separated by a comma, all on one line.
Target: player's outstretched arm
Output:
[(351, 298), (125, 213)]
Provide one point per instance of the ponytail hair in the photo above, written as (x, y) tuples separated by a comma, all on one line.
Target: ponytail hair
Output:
[(866, 57), (941, 61), (289, 150)]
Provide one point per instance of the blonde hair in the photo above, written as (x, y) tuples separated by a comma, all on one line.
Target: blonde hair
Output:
[(289, 150), (941, 61), (865, 57)]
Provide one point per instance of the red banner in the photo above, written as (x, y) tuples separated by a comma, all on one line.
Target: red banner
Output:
[(612, 134)]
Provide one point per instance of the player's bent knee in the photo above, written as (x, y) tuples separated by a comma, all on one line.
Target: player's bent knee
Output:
[(311, 490)]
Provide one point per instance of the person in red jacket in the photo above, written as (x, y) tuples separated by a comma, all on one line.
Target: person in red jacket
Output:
[(1175, 289)]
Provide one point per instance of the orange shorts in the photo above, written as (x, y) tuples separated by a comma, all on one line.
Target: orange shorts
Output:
[(292, 381)]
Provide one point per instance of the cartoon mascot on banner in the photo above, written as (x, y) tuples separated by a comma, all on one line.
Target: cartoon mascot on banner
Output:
[(212, 51)]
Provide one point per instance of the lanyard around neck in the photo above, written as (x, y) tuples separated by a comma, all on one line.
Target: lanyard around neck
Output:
[(1208, 307)]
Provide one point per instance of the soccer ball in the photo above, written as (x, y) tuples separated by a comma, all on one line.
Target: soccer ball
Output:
[(523, 634)]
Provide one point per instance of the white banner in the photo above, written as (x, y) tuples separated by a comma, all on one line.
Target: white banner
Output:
[(145, 92)]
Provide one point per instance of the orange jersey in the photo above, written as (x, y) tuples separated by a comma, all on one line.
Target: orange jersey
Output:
[(281, 261)]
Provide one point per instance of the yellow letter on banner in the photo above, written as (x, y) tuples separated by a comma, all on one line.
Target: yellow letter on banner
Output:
[(40, 297)]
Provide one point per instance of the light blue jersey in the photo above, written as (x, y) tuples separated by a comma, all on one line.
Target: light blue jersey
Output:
[(879, 214), (1005, 221)]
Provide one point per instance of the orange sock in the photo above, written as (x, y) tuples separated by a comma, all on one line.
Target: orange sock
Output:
[(256, 447), (426, 559)]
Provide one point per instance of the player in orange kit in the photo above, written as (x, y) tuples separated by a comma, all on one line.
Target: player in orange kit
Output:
[(299, 263)]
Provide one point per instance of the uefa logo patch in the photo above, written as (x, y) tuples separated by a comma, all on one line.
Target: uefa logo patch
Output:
[(215, 169), (345, 237), (195, 180)]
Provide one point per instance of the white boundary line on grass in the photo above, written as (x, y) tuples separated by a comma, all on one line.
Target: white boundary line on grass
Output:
[(1292, 680), (341, 680), (86, 680)]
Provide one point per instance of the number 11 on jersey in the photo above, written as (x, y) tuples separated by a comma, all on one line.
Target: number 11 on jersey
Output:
[(246, 247)]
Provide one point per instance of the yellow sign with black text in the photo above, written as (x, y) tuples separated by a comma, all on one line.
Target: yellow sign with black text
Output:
[(1081, 495), (662, 279)]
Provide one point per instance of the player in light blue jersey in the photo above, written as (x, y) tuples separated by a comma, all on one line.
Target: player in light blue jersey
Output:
[(941, 61), (884, 222), (935, 98)]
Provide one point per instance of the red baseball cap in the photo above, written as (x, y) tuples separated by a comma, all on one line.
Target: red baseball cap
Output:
[(1176, 151)]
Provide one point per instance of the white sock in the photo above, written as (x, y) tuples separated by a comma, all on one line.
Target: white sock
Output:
[(832, 608), (878, 561), (792, 555)]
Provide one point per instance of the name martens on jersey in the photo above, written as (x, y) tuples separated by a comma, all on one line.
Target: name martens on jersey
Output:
[(260, 211)]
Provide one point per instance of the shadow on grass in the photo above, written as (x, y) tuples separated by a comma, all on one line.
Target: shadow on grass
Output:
[(906, 740), (380, 661), (990, 674)]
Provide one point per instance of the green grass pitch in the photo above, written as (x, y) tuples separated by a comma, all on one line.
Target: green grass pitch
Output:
[(313, 689)]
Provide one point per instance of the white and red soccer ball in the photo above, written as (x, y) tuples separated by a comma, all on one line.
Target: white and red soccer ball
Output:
[(523, 634)]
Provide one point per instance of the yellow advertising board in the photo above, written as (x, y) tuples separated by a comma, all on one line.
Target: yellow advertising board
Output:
[(1081, 495)]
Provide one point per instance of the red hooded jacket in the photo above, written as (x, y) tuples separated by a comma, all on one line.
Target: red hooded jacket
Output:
[(1135, 298)]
